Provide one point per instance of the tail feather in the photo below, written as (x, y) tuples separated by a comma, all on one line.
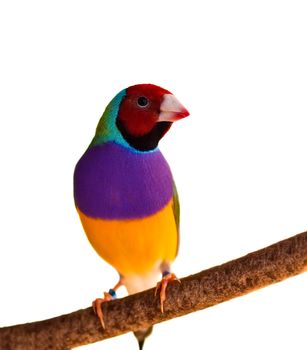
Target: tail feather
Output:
[(138, 283), (141, 335)]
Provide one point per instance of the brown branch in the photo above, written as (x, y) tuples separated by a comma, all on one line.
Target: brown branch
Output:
[(207, 288)]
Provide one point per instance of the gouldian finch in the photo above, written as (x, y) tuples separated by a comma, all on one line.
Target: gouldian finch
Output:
[(125, 194)]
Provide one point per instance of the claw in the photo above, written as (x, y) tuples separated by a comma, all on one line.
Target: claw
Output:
[(97, 307), (96, 304), (162, 286)]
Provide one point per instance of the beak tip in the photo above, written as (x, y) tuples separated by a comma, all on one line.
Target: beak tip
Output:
[(185, 113), (171, 109)]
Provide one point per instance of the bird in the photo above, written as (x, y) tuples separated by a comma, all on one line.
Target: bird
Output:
[(125, 194)]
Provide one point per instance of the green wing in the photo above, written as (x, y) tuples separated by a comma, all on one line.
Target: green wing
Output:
[(176, 211)]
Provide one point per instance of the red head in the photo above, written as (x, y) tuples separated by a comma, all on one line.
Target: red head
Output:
[(146, 113)]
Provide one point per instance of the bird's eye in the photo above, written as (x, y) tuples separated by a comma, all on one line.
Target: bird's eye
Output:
[(142, 101)]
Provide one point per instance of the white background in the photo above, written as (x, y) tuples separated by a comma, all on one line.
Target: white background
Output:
[(239, 160)]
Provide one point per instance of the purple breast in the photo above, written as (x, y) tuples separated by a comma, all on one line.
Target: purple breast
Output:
[(111, 182)]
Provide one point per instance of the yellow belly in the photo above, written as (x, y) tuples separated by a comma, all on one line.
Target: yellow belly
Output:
[(134, 246)]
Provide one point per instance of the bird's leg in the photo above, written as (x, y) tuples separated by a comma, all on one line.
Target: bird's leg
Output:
[(167, 276), (110, 295)]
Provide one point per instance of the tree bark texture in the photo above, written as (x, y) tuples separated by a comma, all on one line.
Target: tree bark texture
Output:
[(207, 288)]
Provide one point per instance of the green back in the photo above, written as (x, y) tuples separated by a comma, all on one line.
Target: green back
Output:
[(176, 210)]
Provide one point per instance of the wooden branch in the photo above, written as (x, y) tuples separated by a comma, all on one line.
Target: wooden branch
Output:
[(207, 288)]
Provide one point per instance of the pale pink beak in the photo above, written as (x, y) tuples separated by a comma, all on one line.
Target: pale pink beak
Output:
[(171, 109)]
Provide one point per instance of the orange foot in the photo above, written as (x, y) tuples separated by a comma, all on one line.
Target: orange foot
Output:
[(98, 302), (167, 277)]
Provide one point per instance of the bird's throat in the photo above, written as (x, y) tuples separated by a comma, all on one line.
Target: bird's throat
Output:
[(145, 142)]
